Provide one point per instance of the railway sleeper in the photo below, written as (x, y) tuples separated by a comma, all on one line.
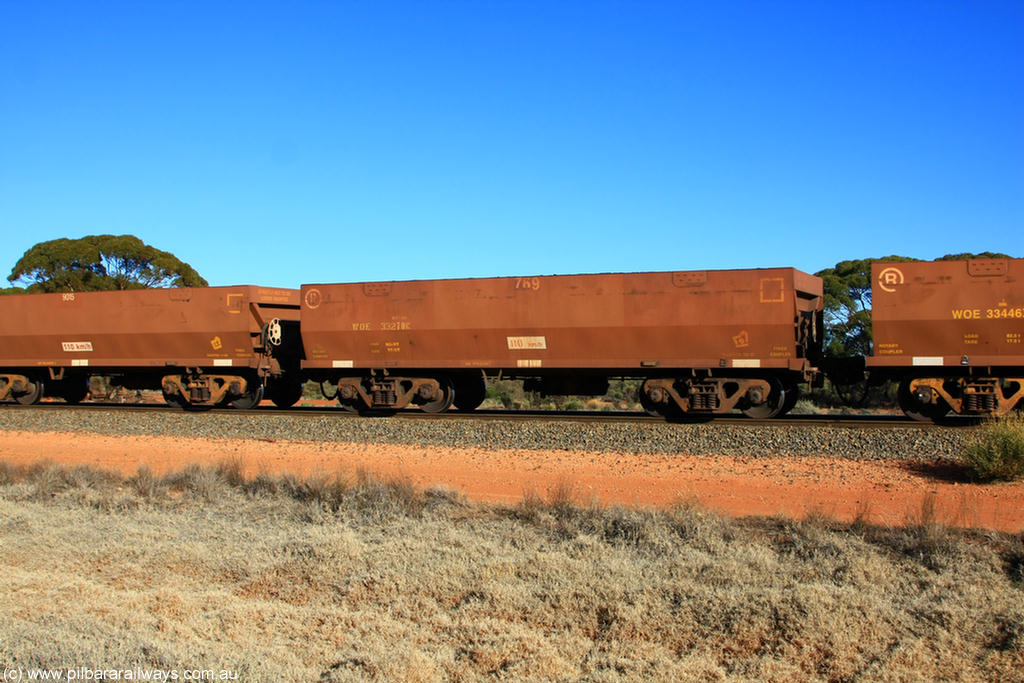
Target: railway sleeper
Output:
[(758, 397), (202, 390), (966, 395), (431, 394)]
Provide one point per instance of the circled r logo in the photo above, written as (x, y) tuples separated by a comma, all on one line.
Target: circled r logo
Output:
[(313, 298), (890, 278)]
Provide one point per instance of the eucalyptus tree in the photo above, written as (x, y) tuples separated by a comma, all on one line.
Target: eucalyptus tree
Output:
[(100, 262)]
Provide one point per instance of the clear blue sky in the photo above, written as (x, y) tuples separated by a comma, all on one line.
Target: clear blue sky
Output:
[(290, 142)]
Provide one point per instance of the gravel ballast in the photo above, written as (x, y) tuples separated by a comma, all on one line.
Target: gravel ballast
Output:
[(849, 442)]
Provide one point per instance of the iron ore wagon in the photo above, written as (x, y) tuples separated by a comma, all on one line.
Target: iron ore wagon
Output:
[(951, 333), (200, 346), (703, 342)]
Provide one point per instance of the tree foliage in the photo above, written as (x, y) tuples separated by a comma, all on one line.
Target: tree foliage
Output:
[(969, 256), (101, 262), (848, 306)]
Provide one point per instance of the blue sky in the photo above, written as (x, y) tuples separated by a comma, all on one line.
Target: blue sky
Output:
[(282, 143)]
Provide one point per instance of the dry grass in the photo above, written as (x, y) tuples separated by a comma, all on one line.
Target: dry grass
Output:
[(349, 578)]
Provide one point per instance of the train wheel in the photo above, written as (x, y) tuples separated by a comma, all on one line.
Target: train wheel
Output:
[(443, 401), (74, 392), (32, 396), (284, 394), (792, 396), (470, 393), (650, 407), (658, 401), (913, 408), (773, 406), (348, 406), (174, 400), (249, 399), (673, 413)]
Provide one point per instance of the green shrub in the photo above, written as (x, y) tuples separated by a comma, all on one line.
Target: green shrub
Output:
[(311, 391), (998, 451)]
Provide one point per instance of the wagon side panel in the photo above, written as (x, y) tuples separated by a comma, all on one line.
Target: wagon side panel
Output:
[(612, 321), (952, 313), (213, 326)]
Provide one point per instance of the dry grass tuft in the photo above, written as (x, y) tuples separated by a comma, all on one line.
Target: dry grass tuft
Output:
[(318, 488), (404, 491), (439, 495), (48, 479), (10, 473), (205, 483), (931, 540), (529, 507), (232, 471), (562, 498), (862, 517), (145, 484)]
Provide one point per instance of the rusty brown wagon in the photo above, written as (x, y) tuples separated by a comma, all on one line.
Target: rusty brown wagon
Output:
[(702, 342), (200, 346), (951, 333)]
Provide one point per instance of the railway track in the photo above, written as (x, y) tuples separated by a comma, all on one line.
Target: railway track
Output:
[(847, 437), (861, 421)]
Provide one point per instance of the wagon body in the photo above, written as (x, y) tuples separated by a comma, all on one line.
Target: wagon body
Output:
[(951, 333), (948, 313), (619, 322), (200, 345), (702, 340), (186, 327)]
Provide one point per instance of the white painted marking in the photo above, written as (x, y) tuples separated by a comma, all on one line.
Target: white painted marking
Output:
[(746, 362), (76, 347), (531, 343), (79, 362), (927, 360), (223, 362), (528, 363), (342, 364)]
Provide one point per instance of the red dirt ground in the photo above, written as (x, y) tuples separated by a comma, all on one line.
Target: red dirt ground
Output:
[(891, 493)]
